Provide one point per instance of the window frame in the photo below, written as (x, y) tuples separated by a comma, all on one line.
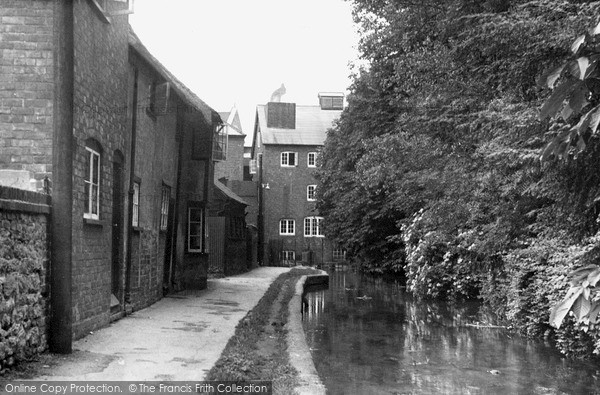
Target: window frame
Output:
[(165, 202), (88, 212), (314, 193), (314, 160), (135, 203), (313, 227), (286, 227), (220, 143), (286, 155), (338, 254), (285, 256), (202, 235)]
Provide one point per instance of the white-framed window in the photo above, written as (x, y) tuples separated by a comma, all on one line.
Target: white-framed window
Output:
[(92, 184), (287, 227), (311, 191), (339, 254), (195, 229), (311, 159), (288, 256), (135, 218), (313, 227), (164, 207), (289, 159)]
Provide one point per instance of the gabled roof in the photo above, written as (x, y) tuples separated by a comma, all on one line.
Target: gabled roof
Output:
[(229, 193), (312, 124), (232, 119), (182, 91)]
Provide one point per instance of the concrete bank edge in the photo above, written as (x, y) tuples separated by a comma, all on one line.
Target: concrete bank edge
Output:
[(300, 357)]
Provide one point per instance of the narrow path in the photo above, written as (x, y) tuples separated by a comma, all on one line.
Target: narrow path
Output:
[(178, 338)]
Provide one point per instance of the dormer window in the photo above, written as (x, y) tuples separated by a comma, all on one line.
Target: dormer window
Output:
[(331, 101)]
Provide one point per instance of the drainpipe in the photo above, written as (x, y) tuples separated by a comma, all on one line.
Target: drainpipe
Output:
[(208, 178), (180, 134), (130, 192), (61, 314), (260, 219)]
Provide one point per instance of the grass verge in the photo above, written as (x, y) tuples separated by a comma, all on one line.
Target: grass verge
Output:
[(258, 349)]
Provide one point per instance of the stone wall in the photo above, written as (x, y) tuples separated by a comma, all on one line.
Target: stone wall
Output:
[(24, 268)]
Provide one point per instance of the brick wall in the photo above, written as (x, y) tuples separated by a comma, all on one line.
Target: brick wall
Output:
[(26, 86), (23, 274), (286, 199), (247, 190), (156, 164), (100, 99), (233, 167)]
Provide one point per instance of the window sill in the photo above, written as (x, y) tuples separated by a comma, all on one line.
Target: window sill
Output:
[(93, 222), (136, 229)]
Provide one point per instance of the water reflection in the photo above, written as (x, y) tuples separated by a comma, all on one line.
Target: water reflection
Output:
[(368, 337)]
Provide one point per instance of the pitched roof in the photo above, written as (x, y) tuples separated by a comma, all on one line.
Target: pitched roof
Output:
[(182, 91), (312, 124), (235, 127), (229, 193)]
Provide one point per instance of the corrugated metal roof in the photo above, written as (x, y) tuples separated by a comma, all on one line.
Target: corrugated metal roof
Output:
[(229, 193), (183, 91), (312, 124)]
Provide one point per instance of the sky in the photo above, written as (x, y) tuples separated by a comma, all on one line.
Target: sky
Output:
[(237, 52)]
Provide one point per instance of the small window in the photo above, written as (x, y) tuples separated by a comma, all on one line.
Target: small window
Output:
[(92, 184), (339, 254), (287, 227), (313, 227), (329, 102), (311, 193), (312, 159), (288, 159), (253, 166), (220, 143), (152, 98), (288, 257), (164, 207), (195, 229), (135, 221)]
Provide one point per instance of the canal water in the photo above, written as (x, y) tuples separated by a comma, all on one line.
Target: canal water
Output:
[(367, 336)]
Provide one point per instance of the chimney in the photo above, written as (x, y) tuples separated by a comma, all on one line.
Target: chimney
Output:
[(281, 115)]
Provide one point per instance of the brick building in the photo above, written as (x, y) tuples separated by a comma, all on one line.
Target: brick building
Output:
[(125, 149), (287, 140), (174, 134), (228, 235), (232, 166)]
